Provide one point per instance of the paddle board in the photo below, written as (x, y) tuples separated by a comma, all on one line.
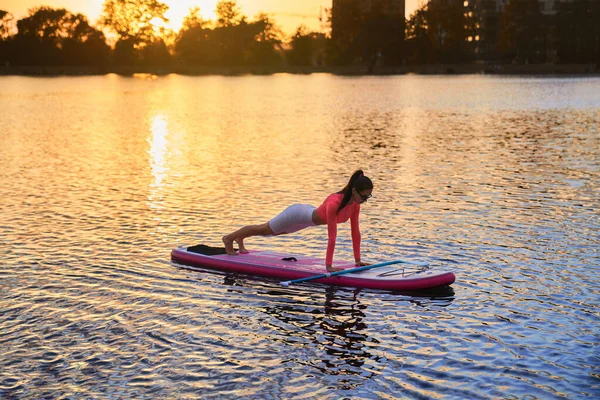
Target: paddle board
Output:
[(285, 267)]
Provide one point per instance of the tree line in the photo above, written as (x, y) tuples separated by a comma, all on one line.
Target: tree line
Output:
[(134, 33)]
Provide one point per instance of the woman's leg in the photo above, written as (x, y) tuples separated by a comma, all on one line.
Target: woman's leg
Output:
[(241, 234)]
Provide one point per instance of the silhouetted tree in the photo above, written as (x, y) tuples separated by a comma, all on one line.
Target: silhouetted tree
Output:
[(139, 26), (228, 14), (91, 51), (135, 20), (194, 19), (125, 52), (155, 54), (438, 32), (49, 36), (7, 29), (362, 35), (307, 48), (523, 32), (191, 45), (419, 48), (7, 25), (449, 28), (267, 42), (233, 42)]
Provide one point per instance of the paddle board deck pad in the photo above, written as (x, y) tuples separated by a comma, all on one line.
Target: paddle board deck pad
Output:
[(285, 267)]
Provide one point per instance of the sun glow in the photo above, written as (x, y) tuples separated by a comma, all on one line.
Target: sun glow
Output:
[(179, 9)]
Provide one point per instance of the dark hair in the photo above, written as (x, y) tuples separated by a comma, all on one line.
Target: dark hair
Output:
[(357, 181)]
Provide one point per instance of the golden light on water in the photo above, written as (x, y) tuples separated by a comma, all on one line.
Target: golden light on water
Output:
[(158, 150)]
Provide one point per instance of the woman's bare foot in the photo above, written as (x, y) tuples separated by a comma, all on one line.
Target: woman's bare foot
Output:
[(240, 243), (228, 242)]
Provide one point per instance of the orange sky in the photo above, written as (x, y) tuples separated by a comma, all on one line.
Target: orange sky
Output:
[(289, 14)]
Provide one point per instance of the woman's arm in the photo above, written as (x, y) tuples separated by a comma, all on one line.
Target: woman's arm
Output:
[(355, 230), (332, 235)]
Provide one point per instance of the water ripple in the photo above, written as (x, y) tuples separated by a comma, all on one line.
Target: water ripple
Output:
[(496, 178)]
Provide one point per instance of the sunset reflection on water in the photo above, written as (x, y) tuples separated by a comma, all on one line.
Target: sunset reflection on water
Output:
[(158, 149)]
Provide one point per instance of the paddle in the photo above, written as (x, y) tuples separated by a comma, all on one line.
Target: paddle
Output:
[(351, 270)]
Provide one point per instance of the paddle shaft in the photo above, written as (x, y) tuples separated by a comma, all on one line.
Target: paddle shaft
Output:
[(346, 271)]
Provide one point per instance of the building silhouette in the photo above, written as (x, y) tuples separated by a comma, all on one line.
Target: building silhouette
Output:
[(545, 45)]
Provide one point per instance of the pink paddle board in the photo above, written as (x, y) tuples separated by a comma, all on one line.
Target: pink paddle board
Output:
[(285, 267)]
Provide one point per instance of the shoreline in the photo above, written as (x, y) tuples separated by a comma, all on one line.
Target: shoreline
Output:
[(450, 69)]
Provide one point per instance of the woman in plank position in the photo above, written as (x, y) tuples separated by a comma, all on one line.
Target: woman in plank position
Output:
[(337, 207)]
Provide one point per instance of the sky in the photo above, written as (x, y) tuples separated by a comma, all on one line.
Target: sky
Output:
[(289, 14)]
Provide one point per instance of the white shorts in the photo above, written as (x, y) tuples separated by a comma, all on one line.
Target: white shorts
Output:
[(293, 219)]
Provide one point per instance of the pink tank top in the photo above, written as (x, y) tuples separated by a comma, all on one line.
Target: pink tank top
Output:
[(328, 213)]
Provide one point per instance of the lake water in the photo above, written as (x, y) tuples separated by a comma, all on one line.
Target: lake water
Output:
[(497, 178)]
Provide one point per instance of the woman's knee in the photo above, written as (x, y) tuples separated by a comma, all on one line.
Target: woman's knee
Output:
[(265, 229)]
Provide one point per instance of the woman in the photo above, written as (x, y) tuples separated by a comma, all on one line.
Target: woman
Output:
[(337, 207)]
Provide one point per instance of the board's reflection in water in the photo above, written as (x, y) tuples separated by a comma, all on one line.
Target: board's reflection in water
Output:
[(333, 321)]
